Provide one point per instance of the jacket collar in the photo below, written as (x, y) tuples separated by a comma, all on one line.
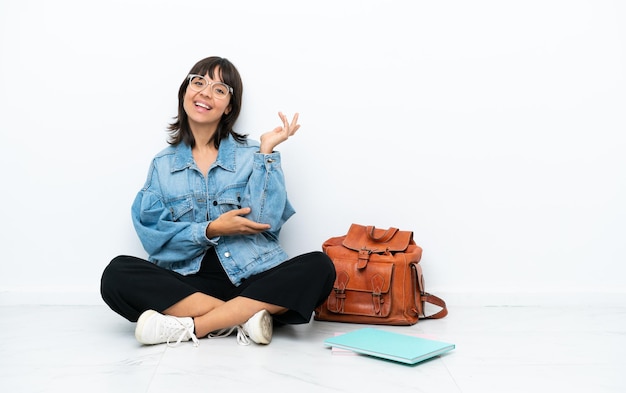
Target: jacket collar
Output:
[(183, 158)]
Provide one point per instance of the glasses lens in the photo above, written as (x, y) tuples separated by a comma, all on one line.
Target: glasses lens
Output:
[(197, 82), (220, 90)]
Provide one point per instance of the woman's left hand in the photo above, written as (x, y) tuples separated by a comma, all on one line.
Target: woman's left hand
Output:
[(273, 138)]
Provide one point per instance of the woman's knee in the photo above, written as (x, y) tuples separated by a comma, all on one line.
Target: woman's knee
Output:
[(113, 267), (320, 265), (114, 272), (325, 261)]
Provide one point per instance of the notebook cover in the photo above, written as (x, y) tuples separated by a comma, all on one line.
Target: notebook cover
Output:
[(389, 345)]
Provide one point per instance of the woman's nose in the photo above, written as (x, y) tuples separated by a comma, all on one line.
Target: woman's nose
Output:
[(207, 91)]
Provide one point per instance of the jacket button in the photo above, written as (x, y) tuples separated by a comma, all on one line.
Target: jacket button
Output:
[(214, 203), (227, 254)]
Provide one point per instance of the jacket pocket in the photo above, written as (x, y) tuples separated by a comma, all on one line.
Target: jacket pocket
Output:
[(231, 198), (181, 208)]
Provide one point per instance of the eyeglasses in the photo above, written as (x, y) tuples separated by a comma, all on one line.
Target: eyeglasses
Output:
[(218, 89)]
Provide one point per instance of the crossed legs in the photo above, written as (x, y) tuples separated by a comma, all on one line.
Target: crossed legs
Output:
[(211, 314)]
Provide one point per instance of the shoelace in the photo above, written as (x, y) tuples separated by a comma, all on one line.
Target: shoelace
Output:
[(242, 337), (183, 330)]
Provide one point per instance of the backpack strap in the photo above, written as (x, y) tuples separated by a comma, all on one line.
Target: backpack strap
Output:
[(421, 296)]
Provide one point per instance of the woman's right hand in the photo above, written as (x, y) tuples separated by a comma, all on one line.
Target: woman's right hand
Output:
[(234, 223)]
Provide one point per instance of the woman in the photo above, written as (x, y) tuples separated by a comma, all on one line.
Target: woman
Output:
[(209, 216)]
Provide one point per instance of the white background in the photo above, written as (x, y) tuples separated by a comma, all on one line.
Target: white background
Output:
[(491, 129)]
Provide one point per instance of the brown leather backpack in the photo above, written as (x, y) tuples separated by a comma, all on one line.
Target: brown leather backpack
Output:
[(379, 279)]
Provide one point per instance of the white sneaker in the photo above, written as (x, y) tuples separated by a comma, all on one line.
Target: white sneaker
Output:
[(155, 328), (259, 327), (242, 339)]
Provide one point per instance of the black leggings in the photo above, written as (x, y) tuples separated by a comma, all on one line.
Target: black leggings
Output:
[(133, 285)]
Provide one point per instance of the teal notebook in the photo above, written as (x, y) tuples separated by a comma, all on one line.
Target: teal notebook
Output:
[(388, 345)]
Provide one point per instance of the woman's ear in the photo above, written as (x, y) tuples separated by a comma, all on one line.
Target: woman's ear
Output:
[(227, 111)]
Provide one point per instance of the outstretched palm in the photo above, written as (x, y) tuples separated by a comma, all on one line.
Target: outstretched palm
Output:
[(271, 139)]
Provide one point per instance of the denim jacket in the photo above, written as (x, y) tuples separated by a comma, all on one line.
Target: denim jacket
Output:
[(177, 203)]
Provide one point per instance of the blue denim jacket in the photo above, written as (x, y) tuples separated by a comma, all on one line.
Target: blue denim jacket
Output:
[(177, 202)]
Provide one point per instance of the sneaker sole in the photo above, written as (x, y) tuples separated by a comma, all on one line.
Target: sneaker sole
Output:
[(264, 335), (140, 325)]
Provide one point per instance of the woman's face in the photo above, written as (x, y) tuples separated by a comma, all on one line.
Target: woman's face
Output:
[(205, 107)]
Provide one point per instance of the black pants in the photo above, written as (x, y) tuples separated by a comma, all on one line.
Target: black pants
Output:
[(133, 285)]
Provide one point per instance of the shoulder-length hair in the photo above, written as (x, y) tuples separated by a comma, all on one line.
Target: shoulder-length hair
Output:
[(179, 130)]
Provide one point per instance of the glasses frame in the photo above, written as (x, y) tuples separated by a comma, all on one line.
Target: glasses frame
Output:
[(209, 84)]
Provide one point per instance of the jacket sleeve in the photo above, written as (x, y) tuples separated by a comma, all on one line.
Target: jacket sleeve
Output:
[(267, 192), (165, 239)]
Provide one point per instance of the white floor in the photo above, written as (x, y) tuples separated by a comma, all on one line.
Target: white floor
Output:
[(498, 349)]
